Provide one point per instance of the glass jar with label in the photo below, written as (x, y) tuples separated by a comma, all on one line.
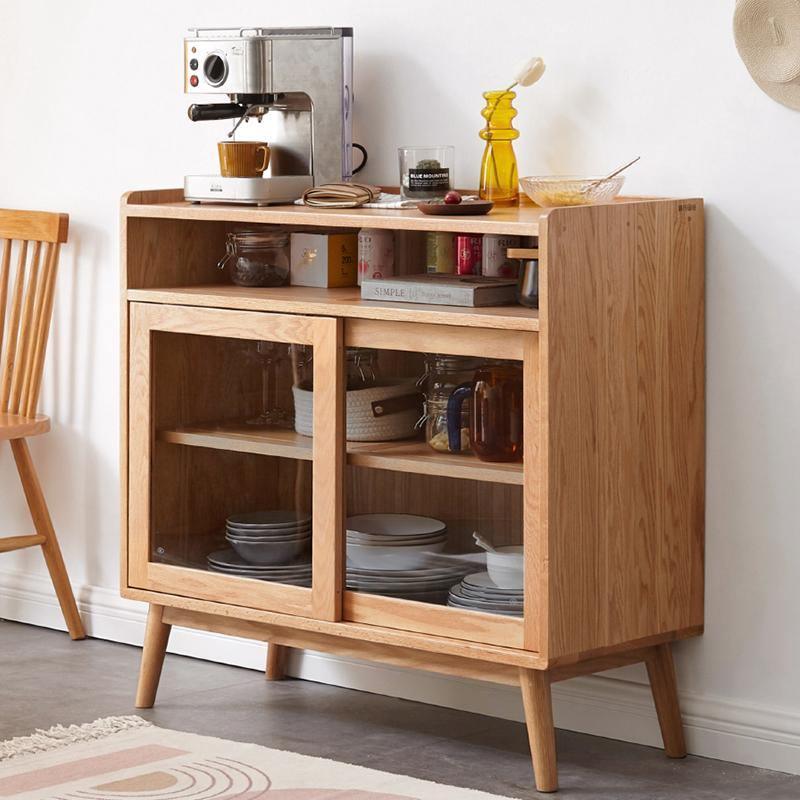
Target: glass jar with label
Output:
[(257, 258), (443, 373), (426, 173)]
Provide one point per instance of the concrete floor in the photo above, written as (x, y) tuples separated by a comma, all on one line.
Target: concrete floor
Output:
[(46, 679)]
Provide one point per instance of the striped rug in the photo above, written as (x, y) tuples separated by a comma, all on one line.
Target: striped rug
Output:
[(128, 758)]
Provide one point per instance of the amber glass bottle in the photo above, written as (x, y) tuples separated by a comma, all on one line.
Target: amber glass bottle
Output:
[(499, 182)]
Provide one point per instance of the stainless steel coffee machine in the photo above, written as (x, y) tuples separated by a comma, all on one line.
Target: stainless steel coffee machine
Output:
[(297, 82)]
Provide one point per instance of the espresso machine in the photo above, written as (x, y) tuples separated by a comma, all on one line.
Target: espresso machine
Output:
[(297, 84)]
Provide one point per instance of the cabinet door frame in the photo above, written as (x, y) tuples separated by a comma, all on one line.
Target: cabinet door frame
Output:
[(324, 334), (471, 626)]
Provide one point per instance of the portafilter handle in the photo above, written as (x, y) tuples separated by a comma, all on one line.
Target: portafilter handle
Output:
[(208, 111)]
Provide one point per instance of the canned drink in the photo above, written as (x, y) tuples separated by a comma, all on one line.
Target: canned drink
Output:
[(494, 262), (440, 255), (375, 253), (468, 254)]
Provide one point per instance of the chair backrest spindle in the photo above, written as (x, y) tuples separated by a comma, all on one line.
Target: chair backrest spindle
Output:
[(26, 303)]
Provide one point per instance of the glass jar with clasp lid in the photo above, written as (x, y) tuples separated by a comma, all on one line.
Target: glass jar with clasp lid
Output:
[(443, 373), (257, 258), (363, 371)]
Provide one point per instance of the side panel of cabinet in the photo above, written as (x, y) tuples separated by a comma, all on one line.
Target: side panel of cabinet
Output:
[(622, 321)]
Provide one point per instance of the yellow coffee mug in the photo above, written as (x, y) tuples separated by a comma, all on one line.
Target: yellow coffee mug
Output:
[(243, 159)]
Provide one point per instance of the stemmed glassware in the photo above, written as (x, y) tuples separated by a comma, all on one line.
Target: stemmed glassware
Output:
[(273, 356)]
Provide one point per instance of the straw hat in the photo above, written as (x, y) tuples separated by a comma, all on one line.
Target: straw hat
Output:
[(768, 40)]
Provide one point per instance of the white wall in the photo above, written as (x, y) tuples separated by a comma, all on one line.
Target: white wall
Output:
[(92, 105)]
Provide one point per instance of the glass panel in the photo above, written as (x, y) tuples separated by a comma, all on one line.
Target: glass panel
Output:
[(435, 454), (231, 479)]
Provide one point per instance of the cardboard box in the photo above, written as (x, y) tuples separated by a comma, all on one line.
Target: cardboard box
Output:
[(326, 260)]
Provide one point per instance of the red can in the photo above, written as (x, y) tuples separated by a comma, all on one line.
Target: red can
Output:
[(469, 248)]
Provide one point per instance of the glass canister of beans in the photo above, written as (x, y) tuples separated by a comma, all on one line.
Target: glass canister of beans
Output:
[(443, 373)]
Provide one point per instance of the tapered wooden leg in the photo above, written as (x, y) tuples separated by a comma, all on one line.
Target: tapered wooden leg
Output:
[(276, 662), (156, 636), (44, 527), (661, 670), (536, 698)]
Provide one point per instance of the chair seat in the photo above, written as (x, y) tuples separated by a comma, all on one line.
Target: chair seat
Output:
[(14, 426)]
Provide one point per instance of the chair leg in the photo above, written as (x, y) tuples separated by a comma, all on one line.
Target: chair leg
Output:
[(44, 527), (276, 661), (156, 636), (538, 705), (661, 671)]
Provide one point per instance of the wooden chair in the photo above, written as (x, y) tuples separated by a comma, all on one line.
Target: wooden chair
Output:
[(30, 240)]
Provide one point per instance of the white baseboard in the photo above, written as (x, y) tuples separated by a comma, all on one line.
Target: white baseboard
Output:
[(604, 706)]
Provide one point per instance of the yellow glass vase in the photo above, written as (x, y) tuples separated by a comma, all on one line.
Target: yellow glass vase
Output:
[(499, 181)]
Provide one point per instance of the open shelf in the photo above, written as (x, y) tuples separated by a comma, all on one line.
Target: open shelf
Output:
[(405, 456)]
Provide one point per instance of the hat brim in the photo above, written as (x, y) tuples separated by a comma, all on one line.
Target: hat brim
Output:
[(788, 94)]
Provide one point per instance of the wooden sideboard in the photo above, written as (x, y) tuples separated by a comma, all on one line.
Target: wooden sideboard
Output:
[(608, 502)]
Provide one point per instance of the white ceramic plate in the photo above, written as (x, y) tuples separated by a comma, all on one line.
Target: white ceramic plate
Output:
[(400, 543), (394, 524), (506, 605), (228, 558)]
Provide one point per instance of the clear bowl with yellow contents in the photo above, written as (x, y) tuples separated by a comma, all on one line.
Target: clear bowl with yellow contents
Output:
[(570, 190)]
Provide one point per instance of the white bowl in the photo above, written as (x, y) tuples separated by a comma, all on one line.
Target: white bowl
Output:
[(506, 567), (390, 558)]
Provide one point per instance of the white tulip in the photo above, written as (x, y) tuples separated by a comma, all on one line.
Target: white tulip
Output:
[(531, 72)]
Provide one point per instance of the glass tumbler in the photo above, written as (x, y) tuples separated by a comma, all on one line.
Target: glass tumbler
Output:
[(426, 173)]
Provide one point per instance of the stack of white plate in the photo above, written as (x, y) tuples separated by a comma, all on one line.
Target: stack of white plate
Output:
[(393, 541), (269, 538), (228, 562), (429, 584), (478, 592)]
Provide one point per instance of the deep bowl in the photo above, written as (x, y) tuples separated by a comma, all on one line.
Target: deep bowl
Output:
[(390, 558), (506, 567), (570, 190), (270, 553)]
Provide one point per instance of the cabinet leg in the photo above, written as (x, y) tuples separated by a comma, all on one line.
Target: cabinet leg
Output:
[(661, 671), (156, 637), (538, 704), (276, 661)]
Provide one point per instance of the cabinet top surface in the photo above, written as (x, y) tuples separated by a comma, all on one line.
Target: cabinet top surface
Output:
[(169, 204), (523, 220)]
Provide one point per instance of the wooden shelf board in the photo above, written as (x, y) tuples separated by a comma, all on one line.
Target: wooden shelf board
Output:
[(516, 220), (419, 458), (337, 303), (415, 457), (241, 438)]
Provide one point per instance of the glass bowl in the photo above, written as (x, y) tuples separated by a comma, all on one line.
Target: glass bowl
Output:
[(570, 190)]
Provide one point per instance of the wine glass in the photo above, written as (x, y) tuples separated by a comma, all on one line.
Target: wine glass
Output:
[(272, 356)]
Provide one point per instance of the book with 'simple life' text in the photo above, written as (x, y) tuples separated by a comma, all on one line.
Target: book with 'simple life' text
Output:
[(441, 289)]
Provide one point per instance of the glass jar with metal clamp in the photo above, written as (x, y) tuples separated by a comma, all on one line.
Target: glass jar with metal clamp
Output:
[(257, 258), (443, 373), (363, 371)]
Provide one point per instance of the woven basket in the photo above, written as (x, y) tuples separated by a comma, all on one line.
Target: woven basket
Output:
[(362, 424)]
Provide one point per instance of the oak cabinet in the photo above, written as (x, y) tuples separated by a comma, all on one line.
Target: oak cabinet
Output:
[(607, 502)]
